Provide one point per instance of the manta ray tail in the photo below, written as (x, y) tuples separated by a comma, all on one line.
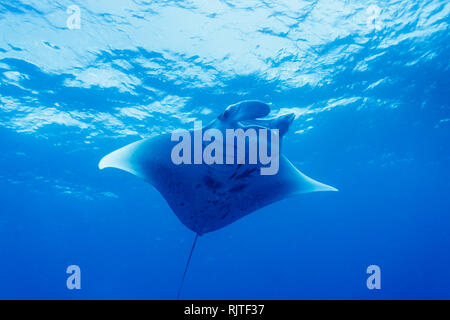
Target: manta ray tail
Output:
[(187, 266)]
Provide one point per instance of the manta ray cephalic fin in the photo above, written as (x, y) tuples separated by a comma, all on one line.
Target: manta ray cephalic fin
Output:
[(245, 110)]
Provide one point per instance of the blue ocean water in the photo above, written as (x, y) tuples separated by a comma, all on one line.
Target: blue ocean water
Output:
[(368, 83)]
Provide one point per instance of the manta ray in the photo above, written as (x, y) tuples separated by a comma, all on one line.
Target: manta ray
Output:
[(207, 197)]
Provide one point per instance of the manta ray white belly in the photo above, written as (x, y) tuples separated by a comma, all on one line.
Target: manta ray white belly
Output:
[(209, 197)]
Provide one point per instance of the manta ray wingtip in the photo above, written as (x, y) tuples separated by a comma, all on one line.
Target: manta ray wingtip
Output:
[(322, 187), (122, 159), (333, 189), (108, 161), (102, 163)]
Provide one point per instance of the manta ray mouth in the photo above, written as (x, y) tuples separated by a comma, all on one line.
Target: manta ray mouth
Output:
[(239, 146)]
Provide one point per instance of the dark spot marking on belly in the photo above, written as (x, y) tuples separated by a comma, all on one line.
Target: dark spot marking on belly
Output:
[(237, 188), (211, 183), (247, 173)]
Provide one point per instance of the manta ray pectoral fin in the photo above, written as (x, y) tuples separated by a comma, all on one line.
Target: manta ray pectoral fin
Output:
[(245, 110), (311, 185), (303, 183), (124, 159)]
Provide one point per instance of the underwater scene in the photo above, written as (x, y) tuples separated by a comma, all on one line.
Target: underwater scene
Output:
[(118, 180)]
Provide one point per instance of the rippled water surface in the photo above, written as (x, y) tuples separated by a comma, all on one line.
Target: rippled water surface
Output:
[(368, 82)]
